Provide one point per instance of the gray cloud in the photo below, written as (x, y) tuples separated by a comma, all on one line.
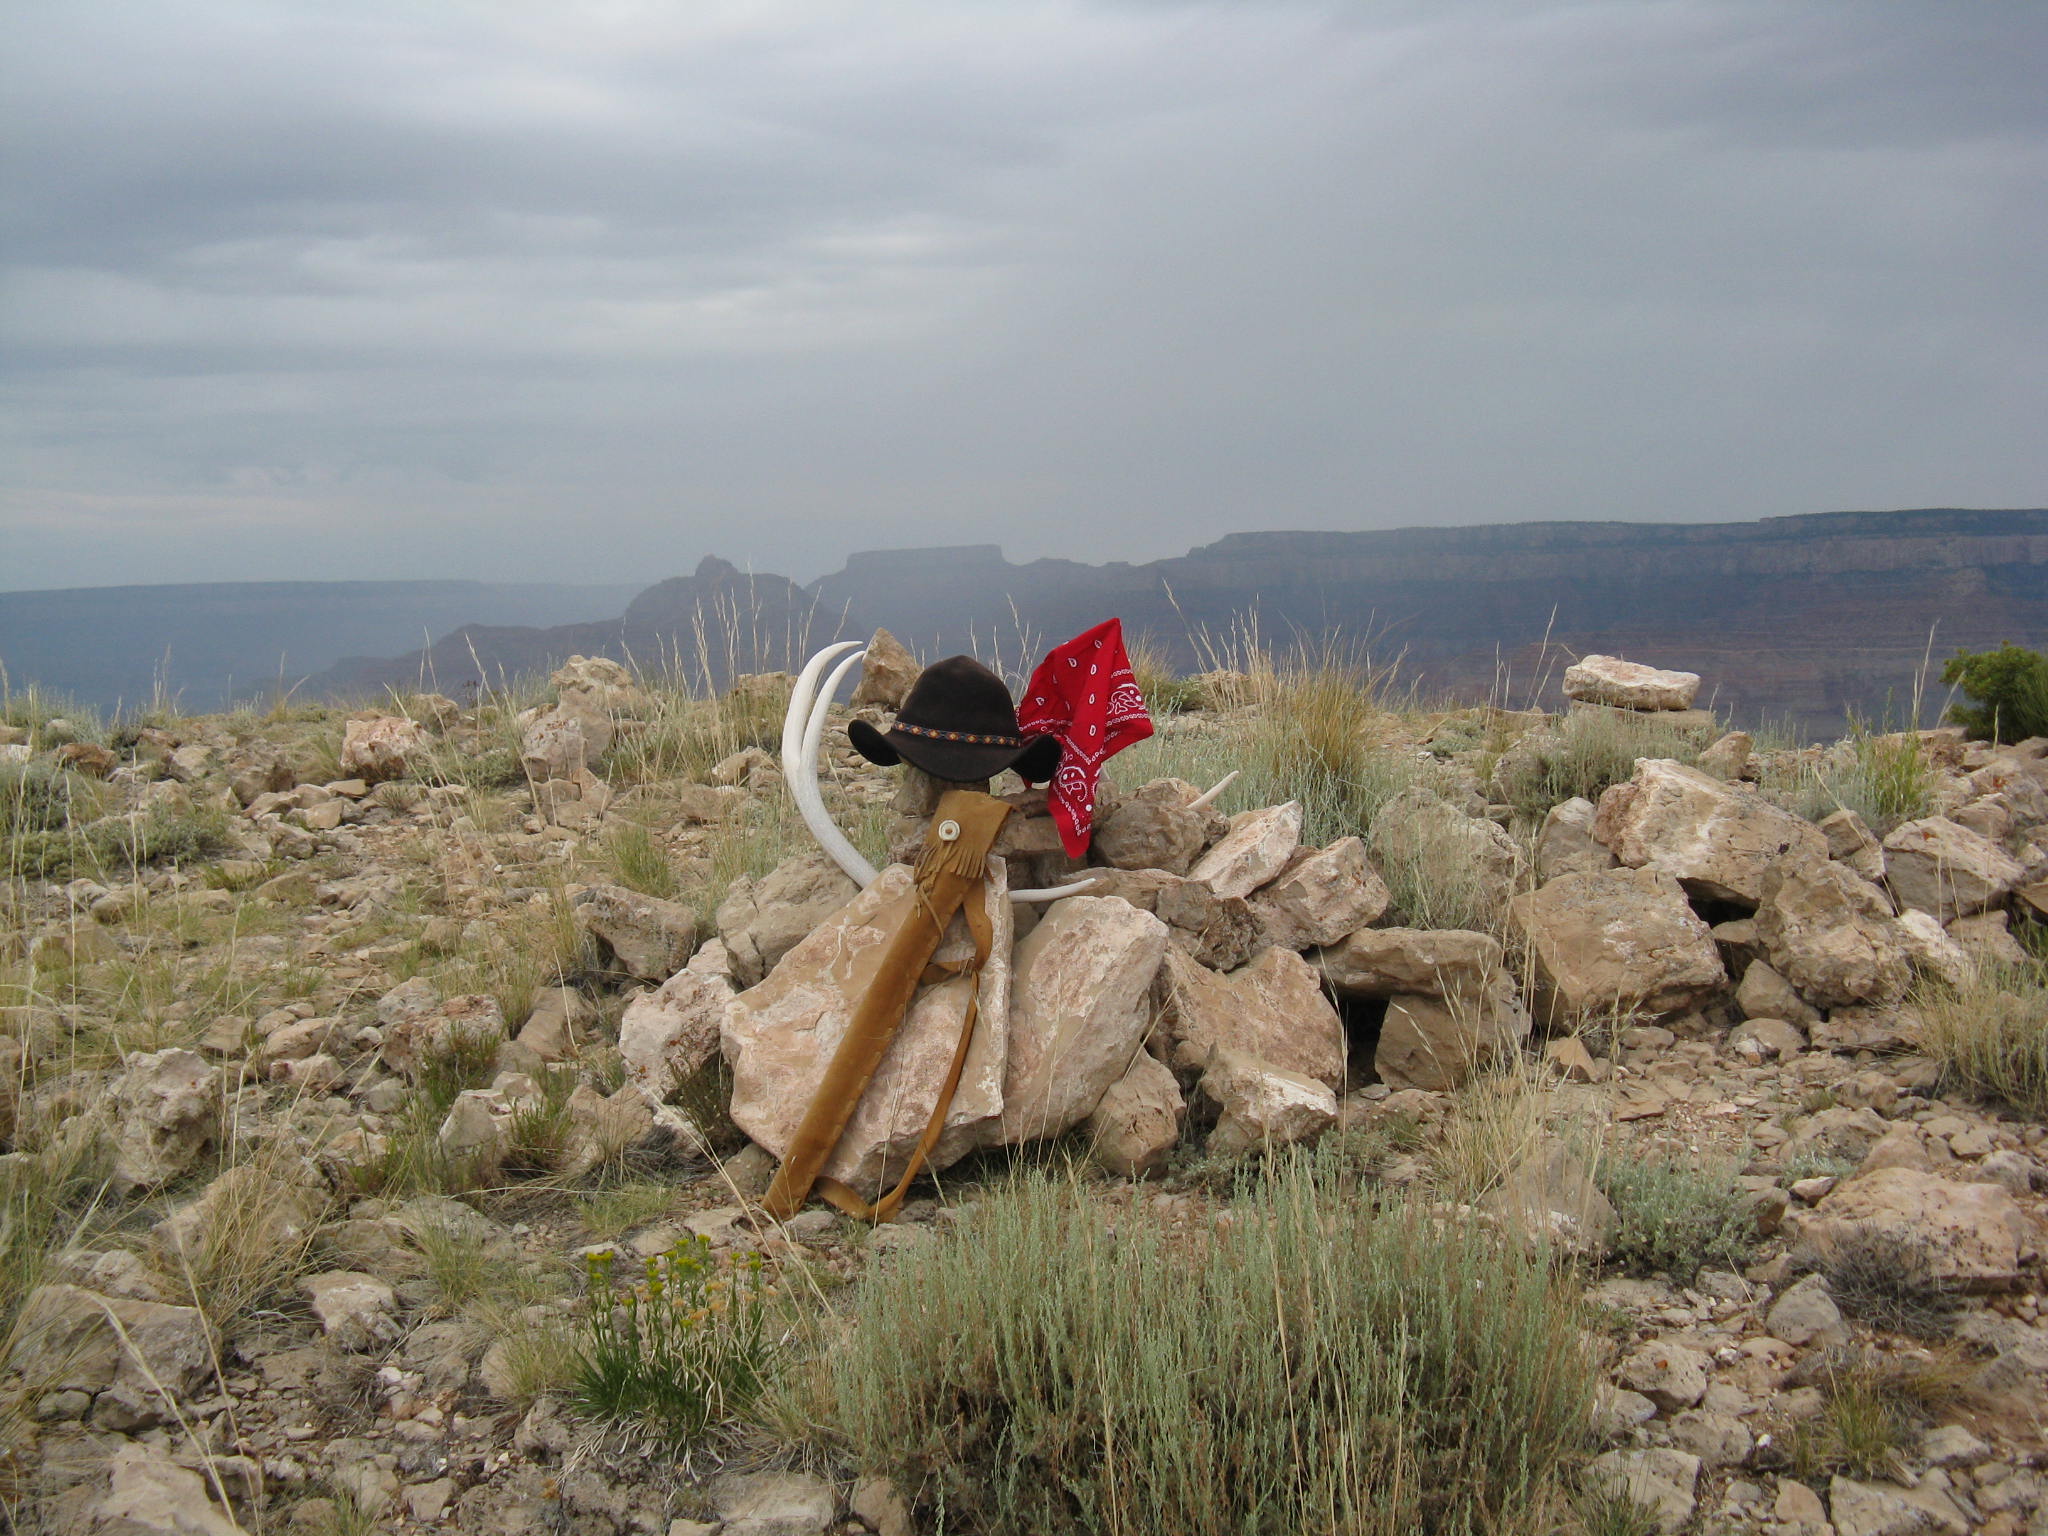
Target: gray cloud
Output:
[(529, 292)]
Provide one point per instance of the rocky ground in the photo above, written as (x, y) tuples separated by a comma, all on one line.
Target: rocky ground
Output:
[(312, 1117)]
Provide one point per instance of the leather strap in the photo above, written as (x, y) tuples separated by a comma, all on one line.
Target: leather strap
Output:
[(952, 867)]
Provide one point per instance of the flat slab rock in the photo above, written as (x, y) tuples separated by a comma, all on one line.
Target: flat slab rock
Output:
[(1629, 684), (1973, 1233)]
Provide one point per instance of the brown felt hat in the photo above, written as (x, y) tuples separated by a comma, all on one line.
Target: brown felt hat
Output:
[(959, 724)]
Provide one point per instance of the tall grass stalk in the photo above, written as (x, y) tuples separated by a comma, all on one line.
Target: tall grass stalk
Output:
[(1317, 1361), (1990, 1035)]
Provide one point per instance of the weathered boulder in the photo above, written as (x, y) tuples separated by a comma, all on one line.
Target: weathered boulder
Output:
[(1221, 932), (1934, 865), (763, 920), (1717, 839), (1566, 846), (781, 1035), (1321, 896), (382, 747), (127, 1352), (1254, 850), (1764, 994), (1273, 1008), (1385, 962), (599, 693), (650, 937), (554, 746), (1931, 950), (1885, 1509), (1432, 840), (161, 1115), (1829, 932), (1155, 828), (1987, 938), (1629, 684), (1261, 1106), (359, 1312), (1973, 1234), (773, 1504), (1079, 1010), (1620, 941), (886, 673), (666, 1036), (418, 1027), (1659, 1479), (148, 1494), (1729, 756), (554, 1028), (1435, 1042), (1853, 843), (1136, 1125)]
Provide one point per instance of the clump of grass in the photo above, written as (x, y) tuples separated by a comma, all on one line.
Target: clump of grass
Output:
[(1873, 1406), (252, 1236), (1290, 1373), (609, 1212), (1584, 754), (1885, 779), (1990, 1035), (1495, 1123), (681, 1349), (1608, 1512), (538, 1131), (1165, 691), (1674, 1216), (639, 861), (1888, 1278)]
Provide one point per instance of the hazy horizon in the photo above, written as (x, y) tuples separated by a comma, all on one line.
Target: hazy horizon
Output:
[(523, 294)]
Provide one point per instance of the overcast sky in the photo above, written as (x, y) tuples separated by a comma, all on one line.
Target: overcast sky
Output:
[(535, 291)]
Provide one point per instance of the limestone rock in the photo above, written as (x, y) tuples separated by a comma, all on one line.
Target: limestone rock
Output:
[(148, 1494), (1385, 962), (1217, 931), (1435, 1042), (1435, 842), (1660, 1479), (773, 1504), (1729, 756), (1987, 938), (781, 1035), (1670, 1374), (359, 1312), (1829, 932), (598, 693), (66, 1338), (1717, 839), (1623, 940), (666, 1036), (1260, 1105), (553, 1029), (1079, 1011), (650, 937), (1852, 843), (1934, 865), (1550, 1199), (1807, 1314), (554, 746), (417, 1026), (761, 921), (1973, 1232), (163, 1113), (1883, 1509), (1931, 950), (1566, 846), (1254, 850), (1273, 1009), (1629, 684), (1137, 1123), (886, 673), (1764, 994), (1155, 829), (380, 748), (1322, 896)]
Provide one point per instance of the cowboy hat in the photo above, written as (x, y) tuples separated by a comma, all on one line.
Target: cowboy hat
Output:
[(959, 724)]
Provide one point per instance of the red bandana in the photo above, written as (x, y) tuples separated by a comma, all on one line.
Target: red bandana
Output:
[(1085, 694)]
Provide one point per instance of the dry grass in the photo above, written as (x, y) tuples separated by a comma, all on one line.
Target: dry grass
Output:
[(1991, 1034)]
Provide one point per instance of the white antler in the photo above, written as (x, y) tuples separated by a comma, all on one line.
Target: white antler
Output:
[(1221, 785), (803, 733), (802, 728)]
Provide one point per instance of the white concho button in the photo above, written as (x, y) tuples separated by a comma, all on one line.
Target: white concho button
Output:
[(949, 831)]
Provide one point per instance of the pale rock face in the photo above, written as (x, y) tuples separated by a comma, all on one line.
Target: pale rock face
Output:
[(1418, 832), (555, 746), (1254, 850), (598, 693), (1261, 1105), (762, 921), (886, 673), (1629, 684), (359, 1312), (163, 1113), (1322, 896), (1764, 994), (379, 749), (148, 1492), (418, 1026), (1383, 962), (1273, 1009), (650, 937), (1728, 756), (1660, 1479), (1550, 1198), (1155, 829), (750, 768), (1973, 1232), (1435, 1042), (1884, 1509), (1718, 839), (1830, 933), (554, 1027), (1624, 940), (668, 1035), (1079, 1012), (1937, 866), (1853, 843), (1670, 1374), (64, 1341), (1807, 1314), (781, 1035), (1565, 845), (1987, 937), (1219, 932), (1137, 1123)]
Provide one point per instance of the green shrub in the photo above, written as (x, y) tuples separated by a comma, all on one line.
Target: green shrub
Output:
[(1674, 1217), (2006, 692), (678, 1352), (1320, 1361)]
